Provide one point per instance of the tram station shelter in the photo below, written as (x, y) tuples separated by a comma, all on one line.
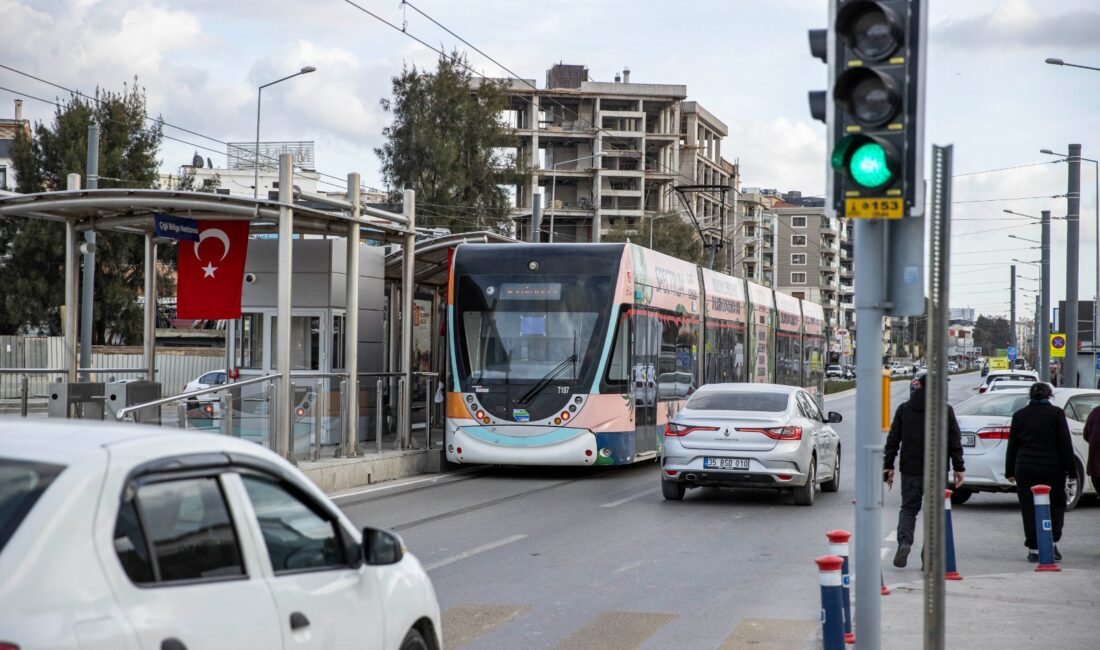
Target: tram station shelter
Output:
[(326, 324)]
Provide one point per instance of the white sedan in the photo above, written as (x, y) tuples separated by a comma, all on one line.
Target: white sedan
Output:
[(985, 420), (120, 536)]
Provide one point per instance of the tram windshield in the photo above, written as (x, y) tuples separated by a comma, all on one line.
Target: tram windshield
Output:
[(515, 331)]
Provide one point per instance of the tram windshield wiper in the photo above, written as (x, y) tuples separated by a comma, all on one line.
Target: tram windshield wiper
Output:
[(546, 379)]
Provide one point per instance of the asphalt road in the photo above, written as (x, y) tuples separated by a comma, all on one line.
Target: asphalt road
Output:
[(524, 558)]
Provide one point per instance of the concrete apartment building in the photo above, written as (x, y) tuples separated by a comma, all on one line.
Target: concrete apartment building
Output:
[(601, 152), (8, 129)]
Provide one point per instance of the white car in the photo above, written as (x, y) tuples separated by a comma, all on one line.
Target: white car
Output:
[(121, 536), (751, 435), (1000, 375), (985, 420), (206, 380), (1003, 383)]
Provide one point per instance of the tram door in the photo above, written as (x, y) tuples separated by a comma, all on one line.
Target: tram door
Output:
[(647, 346)]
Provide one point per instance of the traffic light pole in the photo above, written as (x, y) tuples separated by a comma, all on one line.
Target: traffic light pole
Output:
[(1073, 261), (870, 303), (1044, 320)]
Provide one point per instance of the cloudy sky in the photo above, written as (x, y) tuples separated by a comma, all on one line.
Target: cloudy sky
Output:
[(747, 61)]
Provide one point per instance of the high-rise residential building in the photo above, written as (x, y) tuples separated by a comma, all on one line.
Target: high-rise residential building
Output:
[(601, 153)]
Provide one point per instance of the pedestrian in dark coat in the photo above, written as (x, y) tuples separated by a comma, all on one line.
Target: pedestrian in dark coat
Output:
[(907, 433), (1092, 436), (1040, 452)]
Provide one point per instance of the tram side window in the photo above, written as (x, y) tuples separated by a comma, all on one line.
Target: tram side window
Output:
[(738, 338), (676, 362), (250, 341), (618, 366), (788, 356)]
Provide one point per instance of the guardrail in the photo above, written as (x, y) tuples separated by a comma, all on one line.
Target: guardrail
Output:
[(24, 380)]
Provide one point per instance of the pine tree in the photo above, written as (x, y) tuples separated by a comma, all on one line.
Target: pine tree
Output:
[(444, 143), (32, 265)]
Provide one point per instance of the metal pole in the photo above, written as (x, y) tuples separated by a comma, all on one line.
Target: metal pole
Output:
[(318, 412), (256, 153), (651, 219), (150, 314), (403, 415), (1012, 307), (88, 285), (428, 394), (283, 303), (1073, 264), (226, 405), (379, 415), (181, 415), (408, 291), (72, 269), (536, 218), (553, 202), (1096, 291), (935, 425), (1038, 334), (351, 323), (1044, 292), (24, 393), (870, 295)]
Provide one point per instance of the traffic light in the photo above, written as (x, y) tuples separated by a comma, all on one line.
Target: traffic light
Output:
[(874, 107)]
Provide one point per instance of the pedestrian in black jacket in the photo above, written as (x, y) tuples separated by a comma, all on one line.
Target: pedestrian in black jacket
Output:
[(1040, 452), (907, 432)]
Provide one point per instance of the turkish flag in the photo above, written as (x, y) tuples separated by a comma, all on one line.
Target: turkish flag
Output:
[(211, 271)]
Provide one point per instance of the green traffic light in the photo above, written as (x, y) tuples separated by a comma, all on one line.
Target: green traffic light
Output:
[(868, 166)]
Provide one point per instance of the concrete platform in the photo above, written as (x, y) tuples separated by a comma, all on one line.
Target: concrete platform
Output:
[(338, 474)]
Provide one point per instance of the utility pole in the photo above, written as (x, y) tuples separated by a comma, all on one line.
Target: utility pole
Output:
[(1044, 292), (536, 218), (1038, 335), (87, 289), (1073, 254), (1012, 308)]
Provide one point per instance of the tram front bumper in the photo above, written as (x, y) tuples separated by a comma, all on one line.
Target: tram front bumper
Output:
[(495, 446)]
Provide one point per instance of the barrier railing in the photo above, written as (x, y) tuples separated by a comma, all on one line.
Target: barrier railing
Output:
[(25, 374)]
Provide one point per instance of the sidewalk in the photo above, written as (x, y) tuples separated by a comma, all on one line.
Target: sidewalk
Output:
[(1002, 611)]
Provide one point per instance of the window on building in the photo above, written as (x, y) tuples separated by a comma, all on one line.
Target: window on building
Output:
[(798, 240), (798, 277), (798, 222), (750, 231), (798, 259), (801, 295)]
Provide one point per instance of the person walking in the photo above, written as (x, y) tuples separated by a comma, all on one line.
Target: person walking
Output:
[(1040, 452), (1092, 436), (907, 438)]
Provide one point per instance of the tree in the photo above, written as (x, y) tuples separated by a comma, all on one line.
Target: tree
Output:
[(32, 264), (445, 143), (671, 236), (991, 334)]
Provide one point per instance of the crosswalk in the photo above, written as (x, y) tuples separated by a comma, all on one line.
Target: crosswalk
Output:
[(465, 624)]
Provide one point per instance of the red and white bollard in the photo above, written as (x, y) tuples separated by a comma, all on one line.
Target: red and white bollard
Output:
[(1043, 528), (832, 598), (950, 570)]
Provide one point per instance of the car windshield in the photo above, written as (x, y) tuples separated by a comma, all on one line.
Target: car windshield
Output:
[(738, 401), (1003, 405), (21, 483)]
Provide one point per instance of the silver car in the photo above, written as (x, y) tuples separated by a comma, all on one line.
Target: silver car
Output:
[(751, 435), (985, 421)]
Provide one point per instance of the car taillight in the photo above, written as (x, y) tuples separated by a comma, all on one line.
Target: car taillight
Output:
[(8, 646), (982, 389), (778, 433), (994, 433), (678, 430)]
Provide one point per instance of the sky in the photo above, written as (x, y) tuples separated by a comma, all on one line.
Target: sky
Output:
[(989, 92)]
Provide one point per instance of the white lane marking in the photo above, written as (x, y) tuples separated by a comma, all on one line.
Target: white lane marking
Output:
[(475, 551), (630, 498), (627, 567), (885, 553), (392, 486), (893, 536)]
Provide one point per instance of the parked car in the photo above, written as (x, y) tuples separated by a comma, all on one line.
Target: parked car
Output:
[(985, 421), (131, 537), (1015, 375), (203, 381), (834, 372), (1009, 384), (751, 435), (952, 366)]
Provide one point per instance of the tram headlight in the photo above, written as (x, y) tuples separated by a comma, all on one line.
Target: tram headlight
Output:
[(578, 399), (469, 399), (565, 415), (605, 453), (480, 414)]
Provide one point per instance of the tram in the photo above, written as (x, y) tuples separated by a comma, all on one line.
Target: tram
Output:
[(578, 354)]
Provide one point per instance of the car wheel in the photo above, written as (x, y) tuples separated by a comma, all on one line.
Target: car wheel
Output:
[(414, 640), (673, 490), (1073, 496), (833, 484), (804, 495), (961, 496)]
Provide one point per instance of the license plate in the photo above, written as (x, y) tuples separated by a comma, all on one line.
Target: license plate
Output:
[(969, 440), (726, 463), (873, 208)]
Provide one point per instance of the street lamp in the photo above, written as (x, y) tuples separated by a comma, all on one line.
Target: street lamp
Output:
[(554, 187), (654, 218), (1053, 61), (1096, 169), (259, 97), (1033, 241)]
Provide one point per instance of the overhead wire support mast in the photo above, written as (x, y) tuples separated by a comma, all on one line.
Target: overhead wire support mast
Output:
[(712, 244)]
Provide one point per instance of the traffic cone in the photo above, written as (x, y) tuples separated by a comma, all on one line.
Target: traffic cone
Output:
[(838, 545), (1043, 533), (950, 571), (832, 607)]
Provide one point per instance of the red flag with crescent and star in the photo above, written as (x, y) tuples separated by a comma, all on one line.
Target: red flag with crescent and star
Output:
[(211, 271)]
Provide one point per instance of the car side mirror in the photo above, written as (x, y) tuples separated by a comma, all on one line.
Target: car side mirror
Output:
[(834, 417), (381, 547)]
